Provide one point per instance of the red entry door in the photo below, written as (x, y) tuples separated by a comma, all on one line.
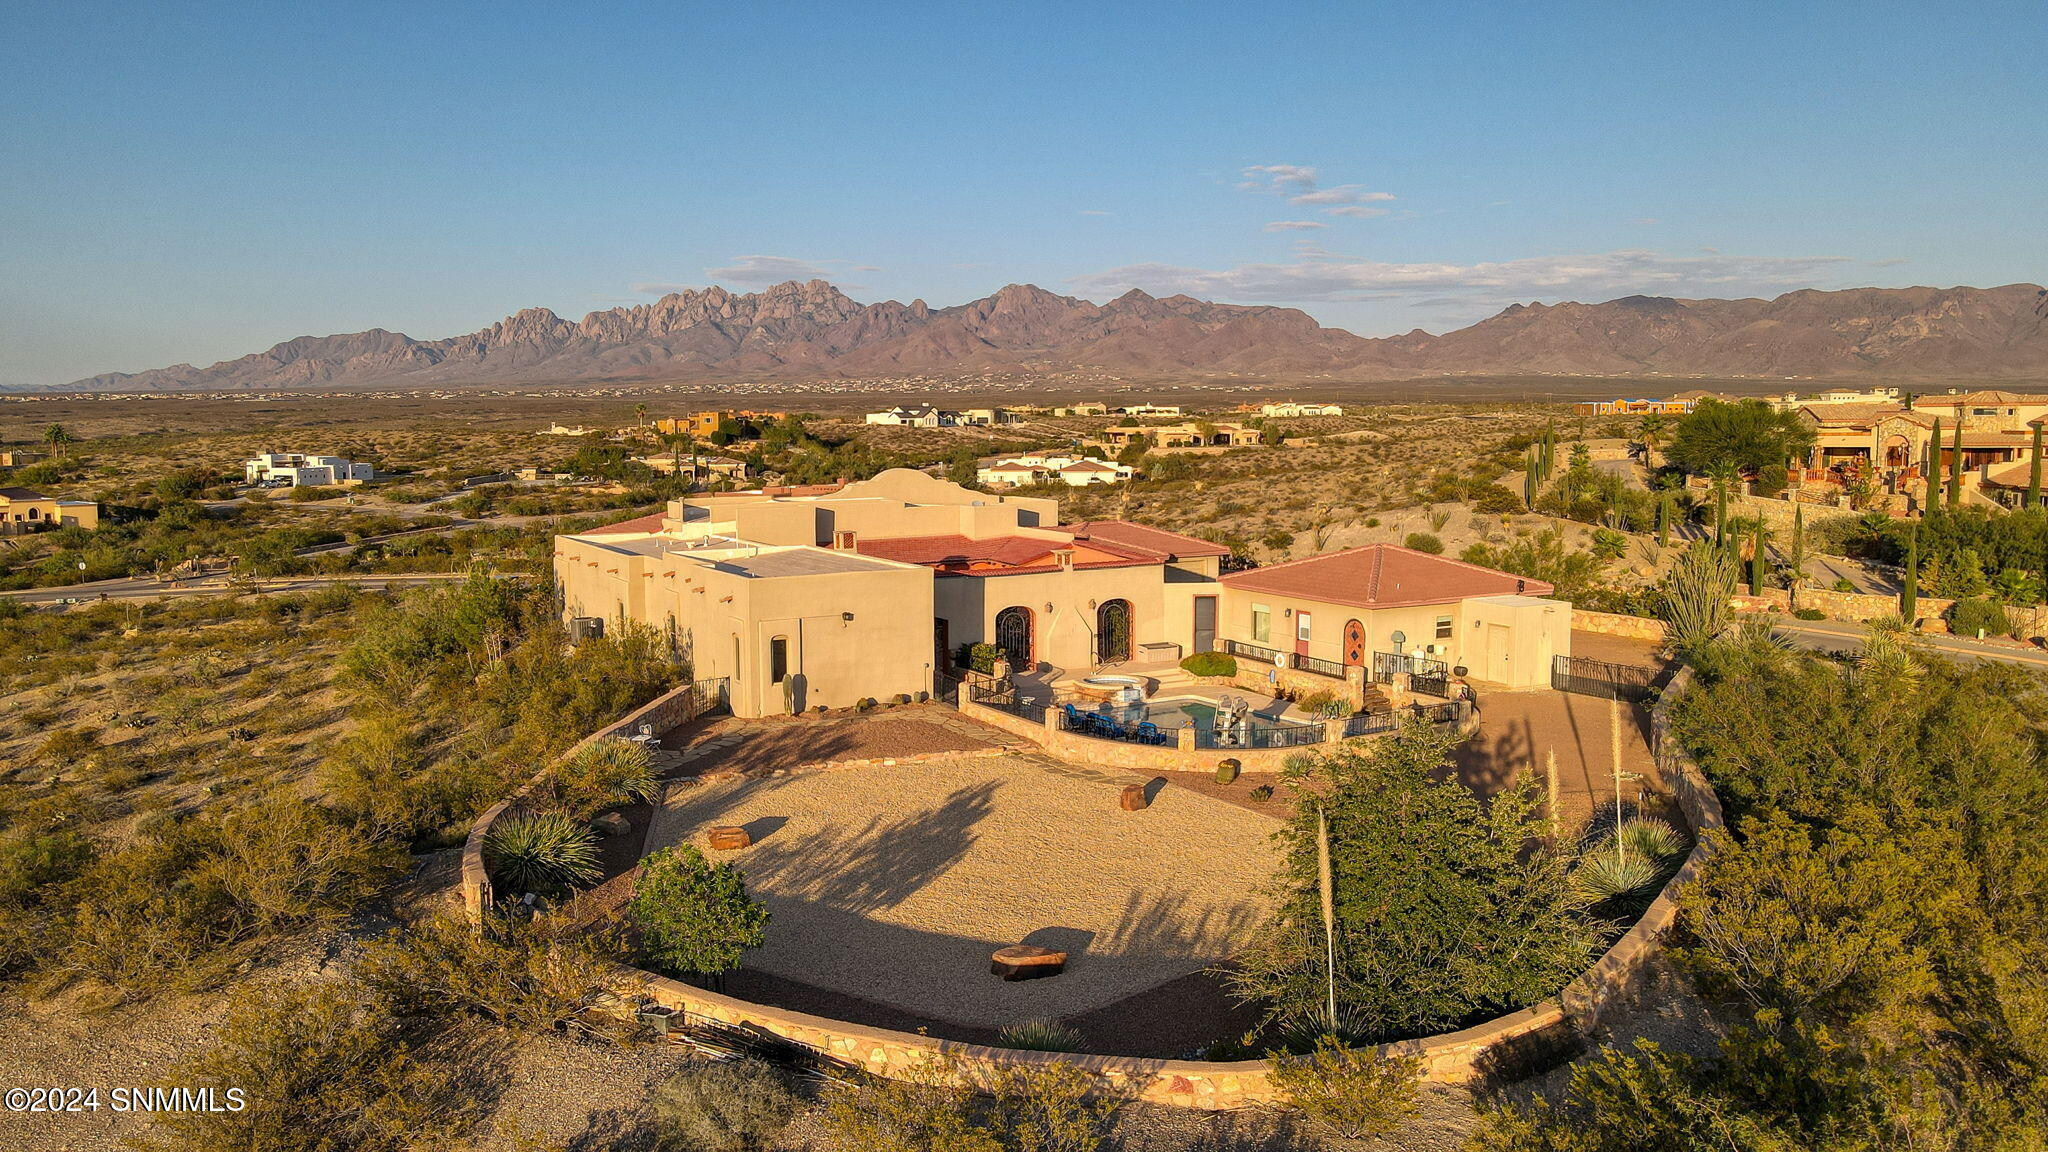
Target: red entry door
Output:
[(1354, 644), (1301, 633)]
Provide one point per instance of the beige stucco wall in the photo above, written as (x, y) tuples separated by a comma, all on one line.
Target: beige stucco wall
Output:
[(1065, 636), (1538, 628)]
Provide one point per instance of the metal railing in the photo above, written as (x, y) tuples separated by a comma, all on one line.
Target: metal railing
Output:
[(1006, 700), (1270, 734), (1385, 665), (1600, 678), (1320, 666), (1376, 723), (1104, 727), (1251, 651)]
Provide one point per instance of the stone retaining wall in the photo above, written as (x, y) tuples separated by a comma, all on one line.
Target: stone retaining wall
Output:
[(1457, 1057), (1613, 624)]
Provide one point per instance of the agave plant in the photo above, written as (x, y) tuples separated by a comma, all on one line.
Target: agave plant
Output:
[(605, 773), (1651, 837), (1040, 1035), (543, 852)]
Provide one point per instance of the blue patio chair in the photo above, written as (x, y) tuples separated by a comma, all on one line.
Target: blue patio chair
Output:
[(1074, 721), (1149, 733)]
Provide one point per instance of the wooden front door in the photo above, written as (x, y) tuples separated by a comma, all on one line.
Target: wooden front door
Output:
[(1302, 628), (1354, 644)]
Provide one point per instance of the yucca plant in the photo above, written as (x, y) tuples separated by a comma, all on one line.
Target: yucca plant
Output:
[(1040, 1035), (1605, 874), (1649, 836), (603, 774), (544, 852)]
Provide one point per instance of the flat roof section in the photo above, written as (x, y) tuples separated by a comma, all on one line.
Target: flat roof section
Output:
[(799, 562)]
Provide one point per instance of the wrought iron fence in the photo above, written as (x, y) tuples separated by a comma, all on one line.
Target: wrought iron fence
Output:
[(1375, 723), (1105, 727), (1600, 678), (1271, 734), (1319, 666), (1431, 685), (1006, 700), (1251, 651), (1385, 665)]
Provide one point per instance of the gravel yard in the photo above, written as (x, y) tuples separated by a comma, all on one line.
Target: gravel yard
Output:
[(895, 883)]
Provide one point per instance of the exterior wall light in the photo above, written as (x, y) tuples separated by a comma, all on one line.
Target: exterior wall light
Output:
[(846, 617)]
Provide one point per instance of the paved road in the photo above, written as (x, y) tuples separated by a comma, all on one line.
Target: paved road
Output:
[(149, 589), (1835, 636)]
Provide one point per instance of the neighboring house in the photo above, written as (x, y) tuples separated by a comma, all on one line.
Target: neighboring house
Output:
[(562, 430), (1081, 410), (18, 459), (1195, 434), (984, 417), (27, 510), (702, 424), (922, 416), (296, 469), (1401, 606), (1149, 410), (825, 595), (1292, 408), (1037, 468), (1898, 441), (1676, 406)]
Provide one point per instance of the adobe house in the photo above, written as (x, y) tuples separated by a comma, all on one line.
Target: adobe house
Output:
[(25, 510), (821, 596), (1343, 609)]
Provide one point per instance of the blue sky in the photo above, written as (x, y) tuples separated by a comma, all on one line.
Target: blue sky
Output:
[(191, 182)]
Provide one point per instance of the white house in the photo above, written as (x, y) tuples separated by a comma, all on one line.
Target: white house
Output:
[(1039, 468), (1293, 408), (297, 469), (979, 417), (921, 416), (1150, 410)]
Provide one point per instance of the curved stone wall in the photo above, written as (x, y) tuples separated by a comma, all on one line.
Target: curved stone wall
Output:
[(1456, 1057)]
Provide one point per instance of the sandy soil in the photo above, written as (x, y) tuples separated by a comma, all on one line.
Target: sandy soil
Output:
[(895, 884)]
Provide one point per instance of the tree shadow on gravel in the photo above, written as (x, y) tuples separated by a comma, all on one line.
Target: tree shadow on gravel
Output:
[(882, 863)]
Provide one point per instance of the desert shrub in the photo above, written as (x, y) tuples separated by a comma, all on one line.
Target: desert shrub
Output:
[(924, 1111), (695, 917), (1605, 875), (1324, 703), (1968, 617), (528, 973), (1210, 664), (1425, 542), (1352, 1093), (730, 1106), (1495, 499), (1261, 793), (543, 852), (1053, 1107), (1040, 1035), (1809, 614), (319, 1068), (1844, 585), (1653, 837), (604, 774)]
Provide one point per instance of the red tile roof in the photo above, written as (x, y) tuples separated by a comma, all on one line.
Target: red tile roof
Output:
[(1382, 576), (650, 523), (1150, 541), (998, 555)]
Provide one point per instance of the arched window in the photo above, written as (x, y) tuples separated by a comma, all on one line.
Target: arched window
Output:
[(1113, 632), (1013, 636)]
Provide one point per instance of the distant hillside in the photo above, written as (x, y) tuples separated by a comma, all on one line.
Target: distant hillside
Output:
[(813, 329)]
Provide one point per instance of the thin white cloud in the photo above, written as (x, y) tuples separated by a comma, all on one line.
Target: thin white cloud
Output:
[(1356, 211), (1888, 262), (1294, 225), (1644, 221), (1093, 212), (1597, 275), (1278, 178), (761, 271), (1341, 194)]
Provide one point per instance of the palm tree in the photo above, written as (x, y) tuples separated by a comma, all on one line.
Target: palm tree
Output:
[(1652, 435), (56, 437), (640, 415)]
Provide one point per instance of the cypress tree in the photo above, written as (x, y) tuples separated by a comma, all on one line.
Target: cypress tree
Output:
[(1529, 478), (1934, 465), (2034, 473), (1756, 559), (1798, 556), (1720, 512), (1664, 520), (1955, 465), (1909, 591)]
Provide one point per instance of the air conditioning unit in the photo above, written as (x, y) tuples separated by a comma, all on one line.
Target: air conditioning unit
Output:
[(583, 628)]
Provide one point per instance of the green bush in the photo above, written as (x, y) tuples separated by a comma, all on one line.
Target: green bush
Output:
[(1425, 542), (730, 1106), (543, 852), (1967, 617), (1351, 1092), (695, 917), (1809, 614), (1210, 664), (1496, 499), (1261, 793), (604, 774), (979, 657)]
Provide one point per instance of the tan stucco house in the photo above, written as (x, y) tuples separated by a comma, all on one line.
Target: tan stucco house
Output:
[(26, 510), (822, 596)]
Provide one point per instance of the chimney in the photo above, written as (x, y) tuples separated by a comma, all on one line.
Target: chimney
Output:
[(1066, 558)]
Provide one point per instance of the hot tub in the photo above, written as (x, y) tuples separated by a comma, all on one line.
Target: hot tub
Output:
[(1116, 689)]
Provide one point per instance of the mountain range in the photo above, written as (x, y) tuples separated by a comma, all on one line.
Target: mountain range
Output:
[(814, 329)]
